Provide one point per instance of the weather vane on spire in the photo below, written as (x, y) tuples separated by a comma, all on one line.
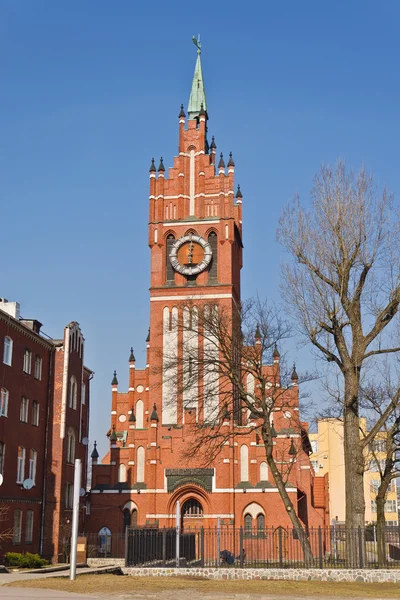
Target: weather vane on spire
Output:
[(197, 43)]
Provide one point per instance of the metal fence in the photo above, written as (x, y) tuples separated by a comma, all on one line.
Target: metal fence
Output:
[(109, 545), (280, 547)]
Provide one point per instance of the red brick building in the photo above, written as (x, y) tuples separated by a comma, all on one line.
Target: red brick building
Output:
[(44, 420), (195, 240)]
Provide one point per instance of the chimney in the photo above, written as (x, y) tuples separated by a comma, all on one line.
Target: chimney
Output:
[(11, 308)]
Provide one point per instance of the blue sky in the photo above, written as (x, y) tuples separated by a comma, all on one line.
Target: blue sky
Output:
[(91, 91)]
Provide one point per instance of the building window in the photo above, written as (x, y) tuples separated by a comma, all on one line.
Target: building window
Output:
[(192, 508), (21, 464), (140, 465), (244, 463), (213, 269), (83, 394), (38, 367), (170, 275), (377, 465), (29, 527), (27, 361), (134, 518), (315, 466), (126, 519), (3, 402), (391, 506), (17, 526), (260, 523), (69, 495), (72, 392), (71, 446), (23, 411), (378, 445), (2, 456), (122, 473), (104, 542), (314, 446), (7, 351), (375, 485), (32, 465), (35, 413), (248, 521)]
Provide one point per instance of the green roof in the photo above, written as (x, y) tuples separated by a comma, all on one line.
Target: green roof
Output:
[(198, 93)]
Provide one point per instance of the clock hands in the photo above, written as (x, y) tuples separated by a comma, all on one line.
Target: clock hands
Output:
[(190, 253)]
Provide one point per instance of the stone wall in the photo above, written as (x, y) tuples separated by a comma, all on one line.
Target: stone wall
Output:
[(360, 575), (106, 562)]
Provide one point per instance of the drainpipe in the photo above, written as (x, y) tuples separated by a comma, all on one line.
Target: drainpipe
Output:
[(46, 449)]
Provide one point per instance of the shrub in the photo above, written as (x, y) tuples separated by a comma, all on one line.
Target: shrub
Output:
[(25, 561)]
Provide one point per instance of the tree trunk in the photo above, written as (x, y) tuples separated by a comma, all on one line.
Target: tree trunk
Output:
[(354, 475), (380, 527), (290, 509)]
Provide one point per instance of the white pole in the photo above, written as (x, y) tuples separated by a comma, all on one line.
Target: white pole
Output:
[(75, 517), (178, 530)]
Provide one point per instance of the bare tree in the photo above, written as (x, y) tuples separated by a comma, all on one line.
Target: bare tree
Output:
[(6, 533), (221, 373), (343, 289), (384, 450)]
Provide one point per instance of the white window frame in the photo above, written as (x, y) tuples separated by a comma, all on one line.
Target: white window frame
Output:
[(7, 351), (24, 410), (2, 457), (315, 465), (17, 529), (27, 366), (35, 413), (4, 397), (29, 527), (32, 465), (21, 464), (83, 394), (38, 367), (393, 506)]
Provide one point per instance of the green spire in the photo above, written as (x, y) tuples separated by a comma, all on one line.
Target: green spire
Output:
[(197, 100)]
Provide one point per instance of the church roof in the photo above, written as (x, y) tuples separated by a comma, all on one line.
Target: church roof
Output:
[(198, 93)]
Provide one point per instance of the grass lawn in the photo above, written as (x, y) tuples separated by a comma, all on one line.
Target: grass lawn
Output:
[(111, 585)]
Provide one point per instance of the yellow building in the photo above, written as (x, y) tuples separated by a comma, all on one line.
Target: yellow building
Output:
[(328, 457)]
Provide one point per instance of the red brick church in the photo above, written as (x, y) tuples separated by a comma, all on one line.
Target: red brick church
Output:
[(195, 240)]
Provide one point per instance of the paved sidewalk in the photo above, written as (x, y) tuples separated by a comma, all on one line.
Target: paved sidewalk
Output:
[(7, 593), (6, 578)]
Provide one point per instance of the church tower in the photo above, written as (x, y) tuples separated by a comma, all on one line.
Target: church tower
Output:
[(195, 240), (195, 237)]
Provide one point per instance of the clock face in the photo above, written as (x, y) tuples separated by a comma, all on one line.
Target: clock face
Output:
[(190, 254)]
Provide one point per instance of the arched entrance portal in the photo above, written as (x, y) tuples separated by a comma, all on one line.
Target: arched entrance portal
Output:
[(192, 513)]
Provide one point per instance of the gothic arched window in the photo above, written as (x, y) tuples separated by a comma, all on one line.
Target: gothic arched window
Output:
[(248, 521), (213, 270), (170, 273)]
